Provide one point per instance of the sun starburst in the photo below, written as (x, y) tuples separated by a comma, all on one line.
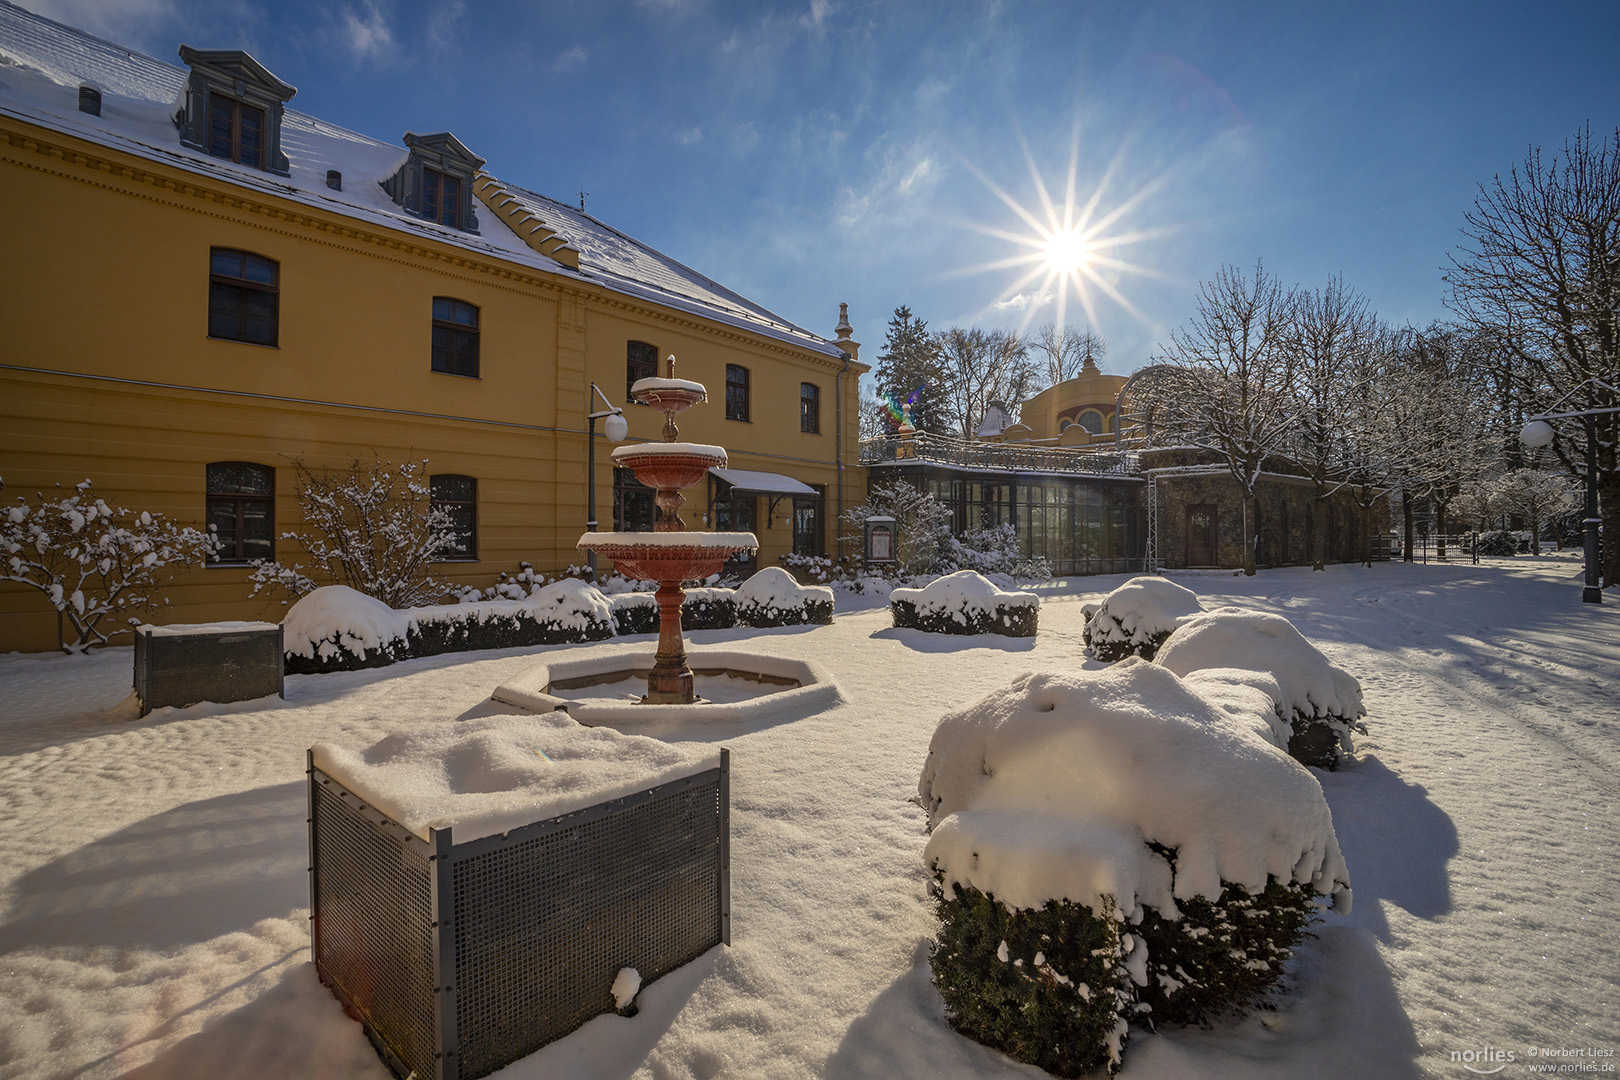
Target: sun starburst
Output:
[(1073, 248)]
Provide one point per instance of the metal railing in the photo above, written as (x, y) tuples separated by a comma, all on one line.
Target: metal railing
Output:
[(926, 448)]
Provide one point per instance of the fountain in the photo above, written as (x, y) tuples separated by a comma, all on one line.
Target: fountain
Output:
[(669, 554)]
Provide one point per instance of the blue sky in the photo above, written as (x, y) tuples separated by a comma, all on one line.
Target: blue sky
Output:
[(815, 152)]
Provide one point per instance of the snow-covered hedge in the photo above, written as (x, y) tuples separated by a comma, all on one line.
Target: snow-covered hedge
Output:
[(703, 609), (1321, 702), (336, 628), (1135, 618), (965, 603), (772, 598), (1108, 840)]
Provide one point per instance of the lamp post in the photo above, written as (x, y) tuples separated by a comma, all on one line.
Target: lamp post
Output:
[(1537, 432), (616, 428)]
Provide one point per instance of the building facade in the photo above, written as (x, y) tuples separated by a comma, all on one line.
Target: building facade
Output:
[(204, 286)]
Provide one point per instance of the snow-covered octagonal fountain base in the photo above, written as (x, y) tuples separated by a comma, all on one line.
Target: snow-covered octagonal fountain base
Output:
[(604, 691)]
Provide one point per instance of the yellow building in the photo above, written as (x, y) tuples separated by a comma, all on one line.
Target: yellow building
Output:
[(1074, 412), (202, 285)]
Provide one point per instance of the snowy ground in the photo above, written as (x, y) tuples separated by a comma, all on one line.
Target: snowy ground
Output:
[(155, 895)]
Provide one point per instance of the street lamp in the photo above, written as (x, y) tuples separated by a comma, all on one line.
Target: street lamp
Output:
[(616, 428), (1537, 432)]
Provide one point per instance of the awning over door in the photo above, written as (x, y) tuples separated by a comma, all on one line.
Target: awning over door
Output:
[(749, 482)]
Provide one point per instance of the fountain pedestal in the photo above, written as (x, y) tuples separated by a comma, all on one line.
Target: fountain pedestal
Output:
[(669, 554)]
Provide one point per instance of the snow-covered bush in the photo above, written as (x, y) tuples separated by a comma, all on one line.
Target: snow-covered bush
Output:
[(372, 528), (1109, 840), (1322, 702), (921, 523), (809, 569), (707, 608), (634, 613), (91, 560), (1499, 544), (336, 628), (508, 586), (1252, 698), (772, 598), (1135, 618), (965, 603)]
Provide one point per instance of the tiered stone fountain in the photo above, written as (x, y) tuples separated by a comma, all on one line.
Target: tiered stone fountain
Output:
[(669, 554)]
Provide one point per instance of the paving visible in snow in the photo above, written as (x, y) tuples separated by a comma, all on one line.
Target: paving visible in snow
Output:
[(155, 896)]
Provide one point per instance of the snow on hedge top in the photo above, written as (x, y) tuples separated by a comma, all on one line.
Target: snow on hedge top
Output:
[(489, 776), (965, 590), (336, 616), (773, 587), (1232, 637), (571, 603), (199, 629), (1052, 787), (1251, 697), (1141, 609)]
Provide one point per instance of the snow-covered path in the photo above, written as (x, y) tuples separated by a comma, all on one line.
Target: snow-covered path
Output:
[(155, 898)]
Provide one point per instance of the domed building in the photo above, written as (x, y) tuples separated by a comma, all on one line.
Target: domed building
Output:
[(1075, 412)]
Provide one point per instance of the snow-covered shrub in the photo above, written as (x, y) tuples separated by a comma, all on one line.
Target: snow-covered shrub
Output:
[(372, 528), (1135, 618), (508, 586), (1499, 544), (634, 613), (1044, 985), (809, 569), (772, 598), (336, 628), (709, 609), (1322, 702), (91, 560), (1121, 810), (921, 523), (1253, 698), (965, 603)]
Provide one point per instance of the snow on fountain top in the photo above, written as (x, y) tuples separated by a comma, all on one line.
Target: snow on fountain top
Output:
[(708, 541), (641, 386), (671, 449)]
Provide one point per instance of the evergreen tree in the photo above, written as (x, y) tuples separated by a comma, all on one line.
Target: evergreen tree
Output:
[(908, 370)]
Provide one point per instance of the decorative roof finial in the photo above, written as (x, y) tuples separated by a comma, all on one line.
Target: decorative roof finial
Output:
[(669, 366)]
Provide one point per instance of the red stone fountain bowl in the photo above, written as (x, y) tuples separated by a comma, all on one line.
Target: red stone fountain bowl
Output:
[(669, 466), (668, 556)]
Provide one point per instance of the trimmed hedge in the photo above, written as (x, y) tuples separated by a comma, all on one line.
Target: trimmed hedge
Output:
[(1223, 955), (773, 598), (1057, 986), (433, 636), (1009, 621), (1116, 649), (703, 609), (1045, 986)]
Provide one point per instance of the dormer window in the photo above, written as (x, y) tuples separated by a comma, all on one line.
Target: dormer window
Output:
[(233, 108), (436, 181)]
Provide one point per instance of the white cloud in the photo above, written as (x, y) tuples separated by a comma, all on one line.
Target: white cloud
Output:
[(817, 14), (1024, 301), (366, 32), (688, 136), (569, 60)]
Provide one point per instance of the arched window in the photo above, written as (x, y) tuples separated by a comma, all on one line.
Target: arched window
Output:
[(640, 362), (455, 337), (1092, 421), (736, 392), (244, 296), (242, 510)]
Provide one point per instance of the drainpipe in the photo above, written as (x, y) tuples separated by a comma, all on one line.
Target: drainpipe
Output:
[(852, 350)]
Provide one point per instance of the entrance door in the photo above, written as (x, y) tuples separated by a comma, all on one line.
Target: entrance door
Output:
[(1201, 534)]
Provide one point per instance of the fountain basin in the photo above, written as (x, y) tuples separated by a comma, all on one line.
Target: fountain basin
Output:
[(669, 465), (784, 686), (660, 556)]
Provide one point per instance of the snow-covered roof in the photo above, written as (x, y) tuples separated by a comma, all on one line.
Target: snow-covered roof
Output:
[(43, 63), (766, 483)]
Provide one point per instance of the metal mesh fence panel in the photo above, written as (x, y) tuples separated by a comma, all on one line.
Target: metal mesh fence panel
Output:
[(531, 927), (373, 923)]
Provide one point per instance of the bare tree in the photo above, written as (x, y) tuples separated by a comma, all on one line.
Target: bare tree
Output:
[(1334, 339), (1535, 495), (1062, 352), (1234, 392), (977, 367), (1541, 270)]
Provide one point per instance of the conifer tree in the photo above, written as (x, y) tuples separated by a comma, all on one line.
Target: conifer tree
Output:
[(908, 370)]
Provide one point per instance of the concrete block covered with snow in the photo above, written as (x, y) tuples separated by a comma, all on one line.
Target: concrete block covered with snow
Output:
[(966, 603), (1322, 702), (1135, 618), (773, 597)]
